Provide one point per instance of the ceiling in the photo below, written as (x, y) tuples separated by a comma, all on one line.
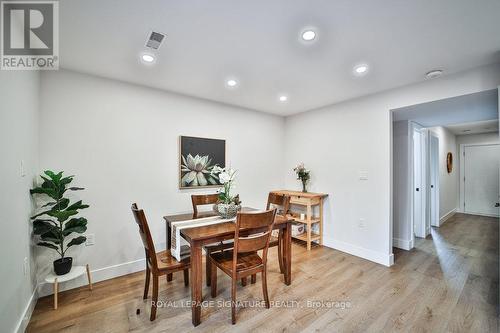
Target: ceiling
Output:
[(488, 126), (469, 108), (257, 42)]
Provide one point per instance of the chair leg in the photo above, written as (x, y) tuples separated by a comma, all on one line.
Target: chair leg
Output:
[(146, 285), (186, 277), (208, 267), (253, 279), (280, 252), (213, 285), (233, 301), (244, 281), (169, 277), (264, 288), (154, 299)]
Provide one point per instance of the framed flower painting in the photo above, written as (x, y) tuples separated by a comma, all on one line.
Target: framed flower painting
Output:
[(198, 156)]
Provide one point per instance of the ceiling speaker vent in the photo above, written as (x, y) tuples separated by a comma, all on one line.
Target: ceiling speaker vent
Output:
[(155, 39)]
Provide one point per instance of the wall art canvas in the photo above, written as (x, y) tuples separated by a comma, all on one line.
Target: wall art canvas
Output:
[(197, 158)]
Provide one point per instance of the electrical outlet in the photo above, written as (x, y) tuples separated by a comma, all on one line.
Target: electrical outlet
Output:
[(90, 240), (362, 223), (25, 266)]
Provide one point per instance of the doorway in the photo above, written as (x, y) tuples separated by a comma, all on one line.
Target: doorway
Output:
[(480, 179)]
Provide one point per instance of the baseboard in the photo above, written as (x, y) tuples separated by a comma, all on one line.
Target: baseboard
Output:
[(100, 274), (375, 256), (402, 243), (23, 322), (447, 216)]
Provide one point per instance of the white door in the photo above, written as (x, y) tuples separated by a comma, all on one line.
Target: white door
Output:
[(418, 183), (434, 180), (481, 179)]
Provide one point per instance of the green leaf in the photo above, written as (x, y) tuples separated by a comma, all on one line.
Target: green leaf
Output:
[(55, 177), (77, 205), (62, 216), (45, 190), (77, 241), (66, 180), (63, 203), (49, 245), (52, 203), (76, 188), (40, 214), (41, 226), (78, 225)]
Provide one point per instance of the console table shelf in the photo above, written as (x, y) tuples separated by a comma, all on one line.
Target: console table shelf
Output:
[(308, 201)]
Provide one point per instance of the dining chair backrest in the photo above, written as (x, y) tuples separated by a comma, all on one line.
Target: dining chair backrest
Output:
[(147, 240), (202, 199), (280, 200), (256, 228)]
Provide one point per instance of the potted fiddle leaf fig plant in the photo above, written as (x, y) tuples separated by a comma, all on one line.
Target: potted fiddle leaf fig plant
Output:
[(57, 222)]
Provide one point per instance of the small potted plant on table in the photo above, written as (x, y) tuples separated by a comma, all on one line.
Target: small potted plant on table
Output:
[(55, 224), (227, 206)]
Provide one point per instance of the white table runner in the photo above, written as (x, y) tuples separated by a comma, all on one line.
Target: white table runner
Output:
[(176, 250)]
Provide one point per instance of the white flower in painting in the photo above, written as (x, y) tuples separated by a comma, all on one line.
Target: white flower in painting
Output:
[(197, 171)]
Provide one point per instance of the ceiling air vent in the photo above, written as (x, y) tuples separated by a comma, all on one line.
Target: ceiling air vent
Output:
[(154, 40)]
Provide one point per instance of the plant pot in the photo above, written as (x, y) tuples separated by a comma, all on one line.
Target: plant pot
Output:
[(304, 189), (228, 211), (63, 265)]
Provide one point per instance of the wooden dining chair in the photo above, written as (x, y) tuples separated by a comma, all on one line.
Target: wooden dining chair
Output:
[(202, 200), (157, 264), (243, 260), (282, 203)]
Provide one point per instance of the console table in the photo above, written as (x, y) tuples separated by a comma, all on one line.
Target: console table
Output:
[(308, 201)]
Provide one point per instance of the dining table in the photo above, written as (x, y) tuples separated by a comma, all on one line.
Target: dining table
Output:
[(197, 237)]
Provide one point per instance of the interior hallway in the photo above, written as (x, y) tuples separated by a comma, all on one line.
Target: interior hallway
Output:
[(448, 282)]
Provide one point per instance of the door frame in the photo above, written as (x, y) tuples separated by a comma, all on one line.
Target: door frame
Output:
[(461, 205), (435, 169), (423, 190)]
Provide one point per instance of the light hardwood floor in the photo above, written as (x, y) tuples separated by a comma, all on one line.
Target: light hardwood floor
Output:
[(448, 283)]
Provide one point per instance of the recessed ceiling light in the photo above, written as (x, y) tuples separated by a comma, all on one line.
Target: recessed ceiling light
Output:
[(283, 98), (434, 73), (308, 35), (360, 69), (231, 83), (148, 58)]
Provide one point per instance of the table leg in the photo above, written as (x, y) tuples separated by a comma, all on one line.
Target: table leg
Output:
[(56, 290), (287, 253), (196, 285), (88, 277), (169, 234)]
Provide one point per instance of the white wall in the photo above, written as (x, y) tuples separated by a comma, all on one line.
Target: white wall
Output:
[(121, 142), (19, 93), (338, 141), (402, 233), (448, 182)]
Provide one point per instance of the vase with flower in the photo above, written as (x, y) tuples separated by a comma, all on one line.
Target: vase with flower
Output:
[(303, 175), (228, 205)]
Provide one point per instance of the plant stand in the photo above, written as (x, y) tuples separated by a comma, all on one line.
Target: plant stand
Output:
[(308, 201), (75, 272)]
